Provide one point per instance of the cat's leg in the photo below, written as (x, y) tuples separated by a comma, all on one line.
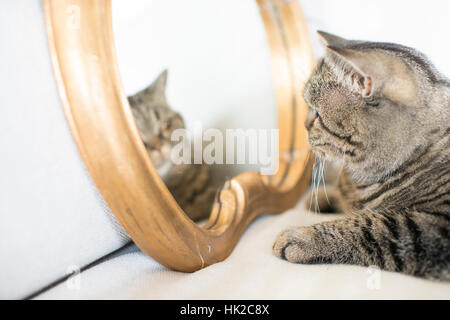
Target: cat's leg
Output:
[(325, 199), (399, 243)]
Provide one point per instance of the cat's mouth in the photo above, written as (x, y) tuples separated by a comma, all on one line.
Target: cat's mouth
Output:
[(318, 150), (325, 149)]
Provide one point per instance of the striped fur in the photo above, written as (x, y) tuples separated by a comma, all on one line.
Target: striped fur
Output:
[(384, 110), (191, 185)]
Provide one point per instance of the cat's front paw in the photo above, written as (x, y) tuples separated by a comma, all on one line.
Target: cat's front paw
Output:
[(295, 245)]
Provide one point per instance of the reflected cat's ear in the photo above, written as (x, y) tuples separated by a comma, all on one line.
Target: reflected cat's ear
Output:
[(153, 93), (158, 87), (361, 64), (332, 40)]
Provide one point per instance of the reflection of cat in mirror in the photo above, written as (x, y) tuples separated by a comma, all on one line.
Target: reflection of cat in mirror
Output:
[(190, 184)]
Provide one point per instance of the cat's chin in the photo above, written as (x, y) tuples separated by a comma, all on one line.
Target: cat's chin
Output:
[(323, 154), (317, 152)]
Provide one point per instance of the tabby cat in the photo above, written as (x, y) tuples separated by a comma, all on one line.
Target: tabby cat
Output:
[(190, 184), (384, 110)]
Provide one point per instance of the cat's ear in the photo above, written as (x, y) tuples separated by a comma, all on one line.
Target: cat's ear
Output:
[(361, 64), (374, 70), (158, 87), (332, 40)]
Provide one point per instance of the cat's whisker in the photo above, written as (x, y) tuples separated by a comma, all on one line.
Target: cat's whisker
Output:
[(313, 184), (323, 181), (316, 185)]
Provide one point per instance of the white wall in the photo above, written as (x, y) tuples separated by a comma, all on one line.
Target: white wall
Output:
[(421, 24)]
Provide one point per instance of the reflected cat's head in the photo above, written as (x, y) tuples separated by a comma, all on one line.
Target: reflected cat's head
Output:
[(155, 119)]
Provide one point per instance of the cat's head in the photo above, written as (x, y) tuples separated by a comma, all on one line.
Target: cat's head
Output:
[(372, 104), (156, 121)]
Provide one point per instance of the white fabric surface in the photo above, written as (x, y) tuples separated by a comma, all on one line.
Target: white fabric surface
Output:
[(52, 218), (251, 272)]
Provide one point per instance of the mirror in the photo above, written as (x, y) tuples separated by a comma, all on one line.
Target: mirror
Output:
[(219, 76), (103, 124)]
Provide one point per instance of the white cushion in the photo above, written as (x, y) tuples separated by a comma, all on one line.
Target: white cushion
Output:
[(251, 272)]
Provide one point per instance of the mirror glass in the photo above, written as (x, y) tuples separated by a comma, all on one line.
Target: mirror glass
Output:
[(218, 71)]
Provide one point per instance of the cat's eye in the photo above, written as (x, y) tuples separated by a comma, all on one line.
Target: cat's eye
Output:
[(168, 124), (372, 101), (317, 114)]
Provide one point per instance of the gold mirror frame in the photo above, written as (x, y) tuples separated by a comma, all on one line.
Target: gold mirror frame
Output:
[(83, 55)]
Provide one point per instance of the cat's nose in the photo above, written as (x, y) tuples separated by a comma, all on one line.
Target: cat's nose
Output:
[(154, 145), (157, 146)]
